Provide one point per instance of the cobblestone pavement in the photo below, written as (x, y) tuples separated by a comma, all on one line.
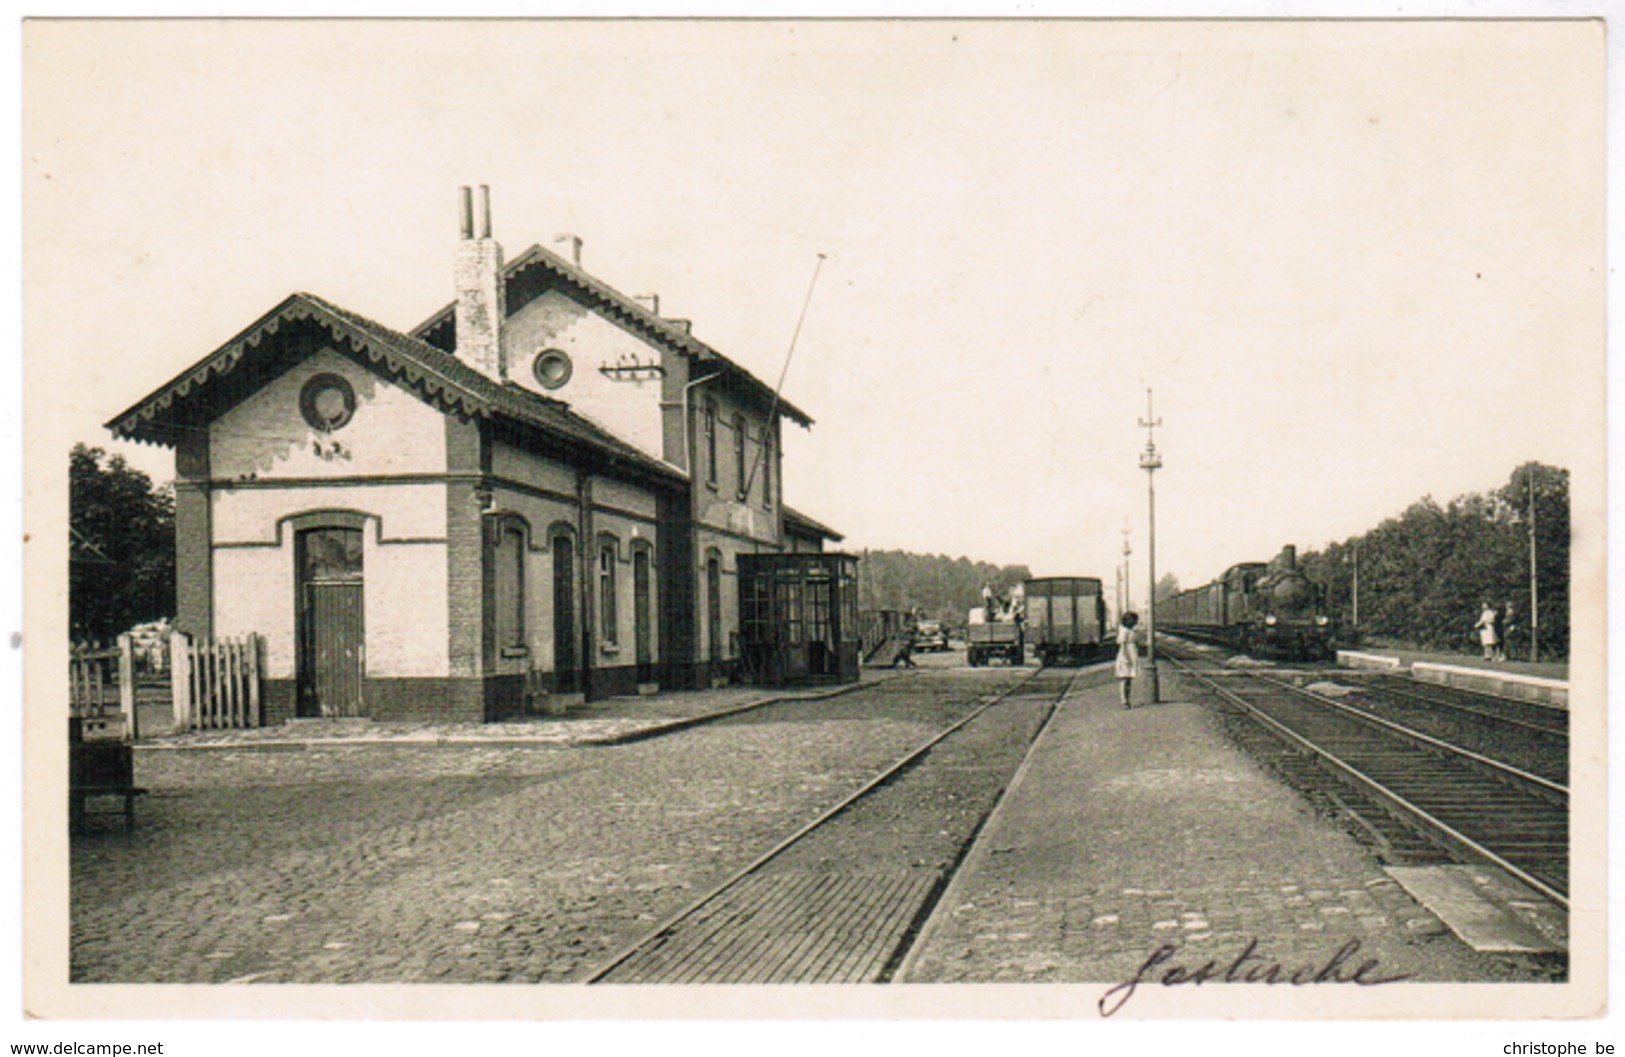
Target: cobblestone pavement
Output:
[(400, 862), (1135, 829)]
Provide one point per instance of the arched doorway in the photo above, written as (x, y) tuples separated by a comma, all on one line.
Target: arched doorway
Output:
[(330, 607)]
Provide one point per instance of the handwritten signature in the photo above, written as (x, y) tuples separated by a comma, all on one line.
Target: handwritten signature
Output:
[(1249, 967)]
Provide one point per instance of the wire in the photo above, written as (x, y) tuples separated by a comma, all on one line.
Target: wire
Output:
[(773, 409)]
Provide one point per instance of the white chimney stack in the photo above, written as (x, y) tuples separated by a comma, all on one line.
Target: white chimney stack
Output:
[(481, 304), (572, 248)]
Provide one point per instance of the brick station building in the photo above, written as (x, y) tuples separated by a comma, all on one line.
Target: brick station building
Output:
[(540, 491)]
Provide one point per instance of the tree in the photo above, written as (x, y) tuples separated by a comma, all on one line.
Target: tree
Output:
[(1540, 494), (1424, 575), (939, 587), (121, 568), (1167, 586)]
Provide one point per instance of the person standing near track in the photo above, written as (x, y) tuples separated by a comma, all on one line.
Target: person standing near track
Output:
[(1486, 631), (1128, 655)]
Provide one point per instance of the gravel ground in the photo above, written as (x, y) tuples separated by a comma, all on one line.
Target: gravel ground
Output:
[(400, 863)]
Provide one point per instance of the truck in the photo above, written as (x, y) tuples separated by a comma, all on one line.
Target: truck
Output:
[(999, 637)]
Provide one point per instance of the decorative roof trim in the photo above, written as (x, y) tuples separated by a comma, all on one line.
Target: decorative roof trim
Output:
[(439, 377)]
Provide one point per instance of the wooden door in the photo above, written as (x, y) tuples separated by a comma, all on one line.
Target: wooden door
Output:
[(332, 633), (565, 665), (642, 616), (713, 612)]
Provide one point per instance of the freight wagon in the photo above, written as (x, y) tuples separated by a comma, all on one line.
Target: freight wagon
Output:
[(1065, 619)]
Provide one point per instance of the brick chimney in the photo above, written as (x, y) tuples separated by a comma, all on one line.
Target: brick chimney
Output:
[(481, 304)]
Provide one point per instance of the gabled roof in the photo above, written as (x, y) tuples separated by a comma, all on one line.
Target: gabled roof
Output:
[(533, 270), (293, 329), (801, 524)]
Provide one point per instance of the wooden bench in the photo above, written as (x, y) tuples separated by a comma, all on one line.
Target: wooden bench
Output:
[(99, 768)]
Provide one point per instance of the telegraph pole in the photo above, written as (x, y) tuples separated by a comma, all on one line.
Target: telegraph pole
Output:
[(1356, 585), (1125, 595), (1534, 582), (1151, 462)]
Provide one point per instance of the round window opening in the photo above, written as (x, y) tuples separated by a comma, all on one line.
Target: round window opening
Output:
[(327, 402), (552, 368)]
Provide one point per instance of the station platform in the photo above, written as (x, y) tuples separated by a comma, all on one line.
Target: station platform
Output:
[(1544, 683), (1128, 830), (1405, 658)]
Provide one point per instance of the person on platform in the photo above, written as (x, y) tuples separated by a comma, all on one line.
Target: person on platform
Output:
[(1486, 631), (1501, 618), (905, 647), (1128, 656)]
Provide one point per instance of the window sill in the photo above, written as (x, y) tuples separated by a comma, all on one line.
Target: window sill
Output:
[(515, 651)]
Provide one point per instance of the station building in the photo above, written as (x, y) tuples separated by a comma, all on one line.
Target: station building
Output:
[(541, 491)]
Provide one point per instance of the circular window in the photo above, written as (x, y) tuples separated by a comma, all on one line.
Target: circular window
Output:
[(327, 402), (552, 368)]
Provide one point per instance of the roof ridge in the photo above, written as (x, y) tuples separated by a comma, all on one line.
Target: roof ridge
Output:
[(623, 305)]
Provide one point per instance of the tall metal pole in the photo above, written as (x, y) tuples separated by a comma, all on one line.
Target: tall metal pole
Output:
[(1534, 583), (1356, 585), (1150, 462), (1125, 601)]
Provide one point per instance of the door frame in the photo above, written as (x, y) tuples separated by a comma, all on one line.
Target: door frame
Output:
[(306, 702)]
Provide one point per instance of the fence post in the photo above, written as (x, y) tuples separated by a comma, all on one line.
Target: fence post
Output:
[(256, 643), (180, 678), (126, 687)]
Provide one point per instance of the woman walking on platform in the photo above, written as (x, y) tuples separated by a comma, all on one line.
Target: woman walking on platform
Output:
[(1128, 655)]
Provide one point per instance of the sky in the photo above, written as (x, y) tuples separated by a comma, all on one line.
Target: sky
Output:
[(1358, 263)]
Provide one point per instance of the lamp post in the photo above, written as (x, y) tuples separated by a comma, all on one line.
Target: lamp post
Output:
[(1151, 462)]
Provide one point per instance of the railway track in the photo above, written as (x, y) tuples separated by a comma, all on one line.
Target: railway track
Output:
[(1477, 808), (840, 900), (1522, 734)]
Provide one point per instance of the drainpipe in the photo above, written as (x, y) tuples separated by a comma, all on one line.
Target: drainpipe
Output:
[(688, 423)]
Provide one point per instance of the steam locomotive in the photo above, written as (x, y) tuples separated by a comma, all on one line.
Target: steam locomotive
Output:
[(1264, 609)]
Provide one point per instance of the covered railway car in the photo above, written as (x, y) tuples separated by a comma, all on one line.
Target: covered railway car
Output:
[(1264, 609), (1065, 619)]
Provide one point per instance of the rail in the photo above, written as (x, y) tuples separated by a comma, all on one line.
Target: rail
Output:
[(886, 776), (1449, 830)]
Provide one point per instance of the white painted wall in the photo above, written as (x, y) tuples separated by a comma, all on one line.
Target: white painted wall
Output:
[(630, 410), (391, 432), (407, 511)]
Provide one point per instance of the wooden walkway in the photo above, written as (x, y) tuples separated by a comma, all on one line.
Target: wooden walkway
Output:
[(799, 928)]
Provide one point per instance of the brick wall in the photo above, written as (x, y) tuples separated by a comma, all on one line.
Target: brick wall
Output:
[(466, 453)]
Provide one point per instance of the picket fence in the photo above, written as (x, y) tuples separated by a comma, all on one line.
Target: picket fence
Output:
[(213, 683), (101, 686), (216, 682)]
